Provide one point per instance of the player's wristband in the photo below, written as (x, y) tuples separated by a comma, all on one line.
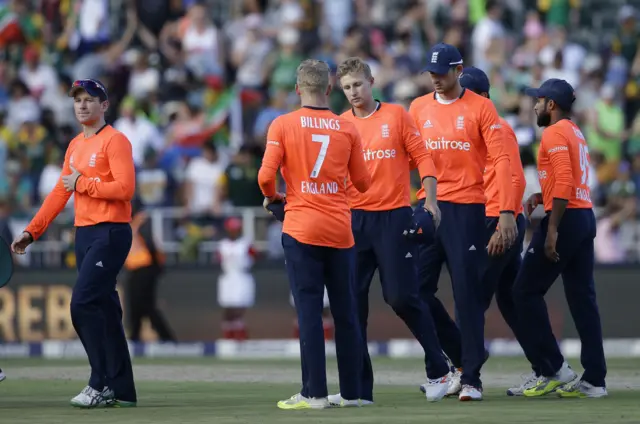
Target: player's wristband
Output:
[(511, 212), (75, 183)]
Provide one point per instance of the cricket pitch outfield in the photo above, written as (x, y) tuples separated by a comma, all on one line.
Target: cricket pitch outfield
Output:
[(208, 390)]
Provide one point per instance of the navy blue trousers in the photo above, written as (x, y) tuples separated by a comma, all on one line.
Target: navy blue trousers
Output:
[(96, 311), (460, 243), (500, 275), (381, 246), (576, 234), (310, 270)]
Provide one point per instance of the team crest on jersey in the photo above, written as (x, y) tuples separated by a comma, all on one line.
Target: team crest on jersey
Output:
[(92, 161), (71, 160), (460, 123), (385, 130), (427, 124)]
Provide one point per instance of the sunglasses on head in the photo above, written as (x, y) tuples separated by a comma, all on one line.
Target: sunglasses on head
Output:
[(92, 87)]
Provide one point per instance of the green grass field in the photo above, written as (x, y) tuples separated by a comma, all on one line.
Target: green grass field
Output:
[(217, 391)]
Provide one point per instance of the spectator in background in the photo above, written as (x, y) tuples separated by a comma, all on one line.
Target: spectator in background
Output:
[(249, 53), (201, 43), (50, 175), (152, 181), (617, 224), (22, 106), (143, 79), (202, 188), (605, 130), (32, 145), (40, 78), (142, 132), (488, 37), (276, 107), (284, 61), (239, 183)]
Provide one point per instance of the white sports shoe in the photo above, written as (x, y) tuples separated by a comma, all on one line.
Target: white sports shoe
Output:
[(581, 389), (339, 401), (435, 389), (91, 398), (470, 393), (2, 376), (529, 381), (454, 382)]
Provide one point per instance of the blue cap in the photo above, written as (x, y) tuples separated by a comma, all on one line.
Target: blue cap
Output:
[(441, 58), (422, 229), (475, 79), (555, 89)]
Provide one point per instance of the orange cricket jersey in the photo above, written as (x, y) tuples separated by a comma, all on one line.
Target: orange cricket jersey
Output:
[(389, 140), (317, 152), (491, 186), (563, 166), (459, 135), (105, 188)]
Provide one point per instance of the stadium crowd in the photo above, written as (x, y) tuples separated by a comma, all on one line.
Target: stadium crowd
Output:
[(195, 84)]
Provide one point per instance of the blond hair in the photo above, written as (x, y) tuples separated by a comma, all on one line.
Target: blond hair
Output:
[(353, 65), (312, 76)]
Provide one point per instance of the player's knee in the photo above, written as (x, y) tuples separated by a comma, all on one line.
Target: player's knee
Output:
[(399, 301)]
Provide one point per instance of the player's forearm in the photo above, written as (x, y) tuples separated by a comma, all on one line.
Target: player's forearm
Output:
[(267, 180), (426, 167), (53, 204), (112, 190), (557, 211), (503, 174), (430, 185)]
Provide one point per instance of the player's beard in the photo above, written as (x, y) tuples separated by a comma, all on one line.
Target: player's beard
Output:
[(544, 119)]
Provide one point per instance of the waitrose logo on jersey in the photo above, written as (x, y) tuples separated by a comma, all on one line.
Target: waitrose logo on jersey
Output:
[(442, 144), (379, 154)]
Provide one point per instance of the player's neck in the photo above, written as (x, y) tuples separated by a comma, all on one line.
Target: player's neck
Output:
[(452, 94), (557, 118), (366, 110), (312, 100), (90, 130)]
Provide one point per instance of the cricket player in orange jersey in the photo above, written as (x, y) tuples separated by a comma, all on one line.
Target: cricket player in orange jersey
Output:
[(460, 128), (503, 265), (562, 245), (379, 217), (99, 171), (318, 152)]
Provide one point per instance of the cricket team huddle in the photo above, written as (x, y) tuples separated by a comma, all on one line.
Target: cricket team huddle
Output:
[(346, 213)]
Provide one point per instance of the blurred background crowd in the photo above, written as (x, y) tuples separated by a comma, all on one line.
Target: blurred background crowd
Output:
[(195, 84)]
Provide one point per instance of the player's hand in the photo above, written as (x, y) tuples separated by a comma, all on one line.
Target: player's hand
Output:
[(507, 229), (550, 245), (21, 242), (495, 246), (532, 202), (278, 197), (70, 180), (434, 210)]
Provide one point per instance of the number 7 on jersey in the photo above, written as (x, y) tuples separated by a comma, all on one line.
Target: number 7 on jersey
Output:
[(324, 139)]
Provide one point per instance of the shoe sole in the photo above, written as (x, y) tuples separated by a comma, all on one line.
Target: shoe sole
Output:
[(3, 377), (468, 399)]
